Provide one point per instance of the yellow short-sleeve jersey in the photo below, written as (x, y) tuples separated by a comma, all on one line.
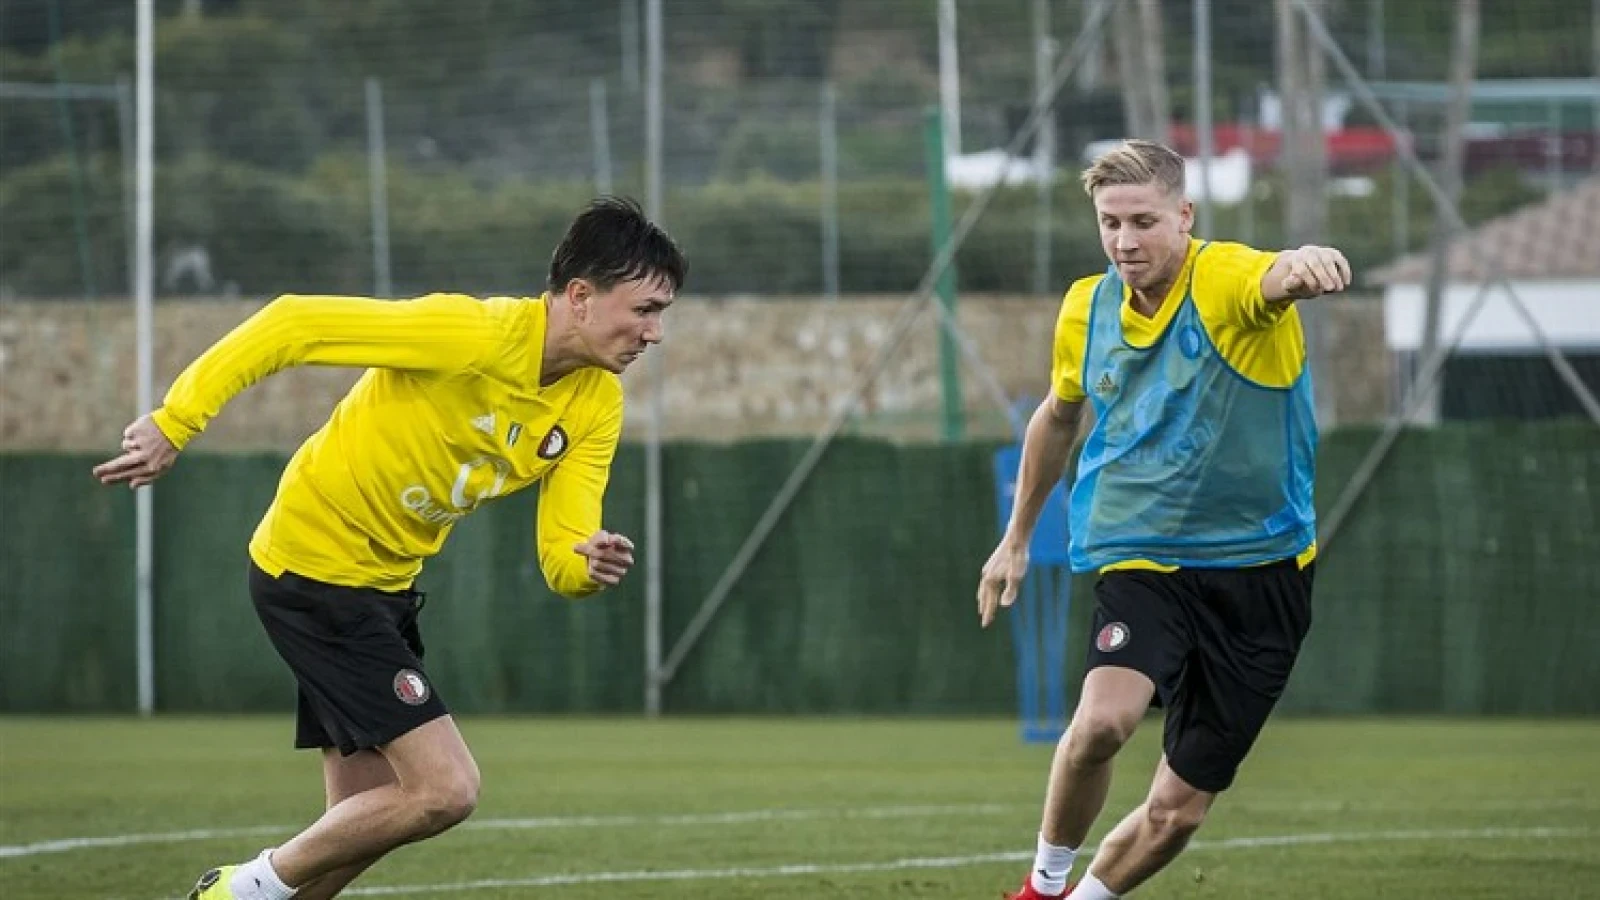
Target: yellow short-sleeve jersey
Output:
[(1260, 340)]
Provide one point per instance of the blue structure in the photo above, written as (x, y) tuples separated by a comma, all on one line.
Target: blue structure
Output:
[(1039, 618)]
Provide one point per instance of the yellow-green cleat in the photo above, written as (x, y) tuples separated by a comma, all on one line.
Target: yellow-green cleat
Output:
[(213, 885)]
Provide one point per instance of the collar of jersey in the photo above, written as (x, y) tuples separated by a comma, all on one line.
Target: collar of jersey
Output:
[(1141, 332)]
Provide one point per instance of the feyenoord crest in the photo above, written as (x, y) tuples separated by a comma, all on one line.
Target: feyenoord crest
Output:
[(554, 443), (410, 687), (1112, 637)]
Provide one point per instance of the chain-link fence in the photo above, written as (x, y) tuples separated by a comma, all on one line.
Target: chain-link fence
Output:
[(394, 147), (794, 158)]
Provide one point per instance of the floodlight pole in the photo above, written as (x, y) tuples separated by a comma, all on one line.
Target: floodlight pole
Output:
[(654, 532), (144, 296)]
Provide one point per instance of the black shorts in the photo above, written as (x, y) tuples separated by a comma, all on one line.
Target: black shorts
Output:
[(357, 655), (1219, 645)]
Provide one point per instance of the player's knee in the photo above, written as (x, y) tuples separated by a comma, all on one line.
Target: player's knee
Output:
[(1095, 737), (448, 801), (1173, 823)]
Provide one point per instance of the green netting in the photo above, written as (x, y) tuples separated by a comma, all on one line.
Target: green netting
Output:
[(1467, 579), (1465, 582), (66, 587)]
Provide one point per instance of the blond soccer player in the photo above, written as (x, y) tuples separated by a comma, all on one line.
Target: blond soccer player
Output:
[(1192, 500), (464, 400)]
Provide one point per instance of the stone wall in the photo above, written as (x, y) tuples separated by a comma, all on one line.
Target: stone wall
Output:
[(734, 368)]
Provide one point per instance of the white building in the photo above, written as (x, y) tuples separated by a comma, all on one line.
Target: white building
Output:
[(1549, 252)]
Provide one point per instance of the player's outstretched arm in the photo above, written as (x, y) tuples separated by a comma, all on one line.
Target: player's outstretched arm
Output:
[(439, 332), (1304, 273), (1046, 448)]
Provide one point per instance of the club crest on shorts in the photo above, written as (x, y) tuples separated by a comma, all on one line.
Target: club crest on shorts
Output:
[(410, 687), (554, 443), (1112, 637)]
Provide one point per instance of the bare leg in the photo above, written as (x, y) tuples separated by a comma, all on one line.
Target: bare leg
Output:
[(1110, 707), (1153, 834), (344, 777), (435, 787)]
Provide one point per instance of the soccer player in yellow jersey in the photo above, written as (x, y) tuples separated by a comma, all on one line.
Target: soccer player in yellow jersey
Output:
[(463, 401), (1192, 500)]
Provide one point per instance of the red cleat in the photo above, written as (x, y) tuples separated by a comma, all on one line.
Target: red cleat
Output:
[(1028, 893)]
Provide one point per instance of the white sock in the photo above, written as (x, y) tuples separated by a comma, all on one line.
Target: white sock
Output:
[(1051, 865), (1092, 888), (256, 880)]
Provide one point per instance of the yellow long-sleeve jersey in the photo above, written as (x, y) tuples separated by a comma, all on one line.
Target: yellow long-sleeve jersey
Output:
[(449, 414)]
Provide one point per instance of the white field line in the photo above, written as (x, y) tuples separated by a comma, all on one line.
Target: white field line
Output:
[(113, 841), (950, 862), (65, 845)]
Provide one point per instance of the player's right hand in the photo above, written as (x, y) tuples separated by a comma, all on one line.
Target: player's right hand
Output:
[(146, 456), (1002, 578)]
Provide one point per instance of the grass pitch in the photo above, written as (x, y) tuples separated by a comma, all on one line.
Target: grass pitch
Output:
[(575, 809)]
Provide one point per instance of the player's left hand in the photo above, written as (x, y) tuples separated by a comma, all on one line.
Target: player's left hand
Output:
[(610, 557), (1314, 271)]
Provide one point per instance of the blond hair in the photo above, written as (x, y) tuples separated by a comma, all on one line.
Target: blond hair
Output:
[(1136, 162)]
